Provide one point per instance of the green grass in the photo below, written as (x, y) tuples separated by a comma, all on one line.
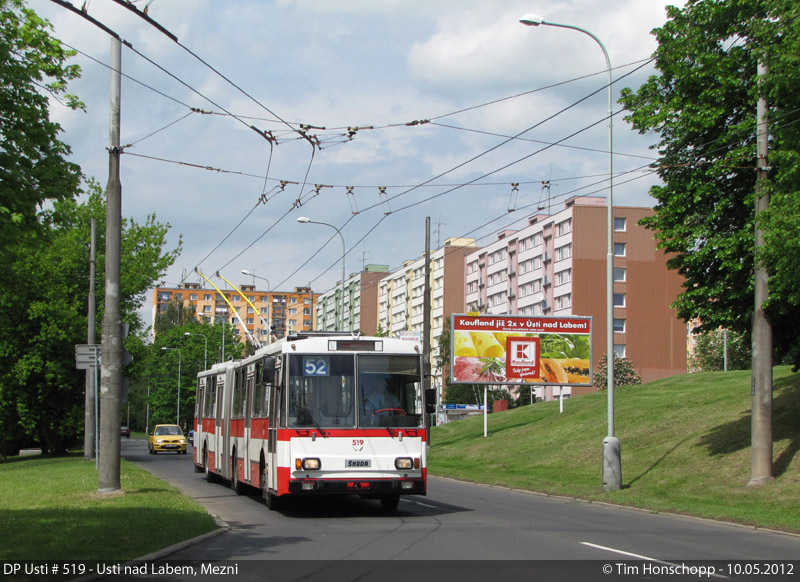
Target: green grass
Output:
[(685, 446), (50, 509)]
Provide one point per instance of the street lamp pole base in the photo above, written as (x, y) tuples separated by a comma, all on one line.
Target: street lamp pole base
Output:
[(612, 464)]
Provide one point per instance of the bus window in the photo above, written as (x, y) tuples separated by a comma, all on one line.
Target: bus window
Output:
[(390, 390), (321, 391)]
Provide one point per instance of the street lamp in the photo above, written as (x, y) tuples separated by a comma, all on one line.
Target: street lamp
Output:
[(178, 413), (305, 220), (612, 471), (205, 352), (269, 303)]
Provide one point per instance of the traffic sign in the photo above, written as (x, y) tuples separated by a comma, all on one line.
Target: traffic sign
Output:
[(87, 356)]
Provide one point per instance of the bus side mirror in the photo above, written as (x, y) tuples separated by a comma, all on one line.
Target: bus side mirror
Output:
[(269, 370), (430, 400)]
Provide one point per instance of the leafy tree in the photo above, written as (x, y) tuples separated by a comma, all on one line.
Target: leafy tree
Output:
[(701, 106), (158, 382), (176, 314), (624, 373), (44, 314), (33, 168), (709, 352)]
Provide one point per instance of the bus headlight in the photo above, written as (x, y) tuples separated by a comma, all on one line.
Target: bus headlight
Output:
[(308, 464), (403, 463)]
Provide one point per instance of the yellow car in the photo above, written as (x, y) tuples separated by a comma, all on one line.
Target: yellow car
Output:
[(166, 437)]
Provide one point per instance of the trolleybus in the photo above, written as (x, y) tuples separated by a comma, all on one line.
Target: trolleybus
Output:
[(315, 414)]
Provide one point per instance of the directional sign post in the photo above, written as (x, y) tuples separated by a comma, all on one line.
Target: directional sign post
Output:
[(87, 356)]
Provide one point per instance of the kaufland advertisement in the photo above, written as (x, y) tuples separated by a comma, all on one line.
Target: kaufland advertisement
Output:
[(514, 349)]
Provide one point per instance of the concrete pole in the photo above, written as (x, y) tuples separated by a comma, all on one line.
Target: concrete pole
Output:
[(761, 423), (111, 371), (89, 428)]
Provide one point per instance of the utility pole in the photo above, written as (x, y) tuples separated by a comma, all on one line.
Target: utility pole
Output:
[(111, 371), (761, 423), (426, 329), (90, 401)]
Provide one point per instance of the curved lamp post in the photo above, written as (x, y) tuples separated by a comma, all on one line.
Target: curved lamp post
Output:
[(304, 220), (269, 303), (612, 472)]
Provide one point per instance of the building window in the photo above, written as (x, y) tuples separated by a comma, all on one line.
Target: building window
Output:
[(619, 274), (498, 299), (164, 296), (619, 325), (619, 350), (192, 296), (497, 256), (564, 227), (619, 299), (564, 252), (620, 223), (619, 249), (564, 277), (206, 309), (564, 301)]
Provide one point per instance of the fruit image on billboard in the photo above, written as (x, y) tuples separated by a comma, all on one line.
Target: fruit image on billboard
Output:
[(513, 349)]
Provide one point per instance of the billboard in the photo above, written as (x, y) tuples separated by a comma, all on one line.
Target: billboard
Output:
[(517, 349)]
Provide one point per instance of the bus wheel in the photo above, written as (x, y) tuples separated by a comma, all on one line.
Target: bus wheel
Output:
[(210, 477), (235, 483), (390, 502), (272, 501)]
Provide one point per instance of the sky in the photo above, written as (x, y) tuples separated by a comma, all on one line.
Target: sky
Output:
[(411, 104)]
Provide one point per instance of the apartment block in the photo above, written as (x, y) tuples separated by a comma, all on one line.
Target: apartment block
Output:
[(556, 265), (401, 293), (284, 311), (360, 302)]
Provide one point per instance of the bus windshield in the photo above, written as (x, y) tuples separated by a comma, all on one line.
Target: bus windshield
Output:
[(323, 391), (390, 390)]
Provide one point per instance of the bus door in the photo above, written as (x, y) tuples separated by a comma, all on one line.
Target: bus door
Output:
[(199, 404), (248, 414), (227, 405), (218, 421), (275, 418)]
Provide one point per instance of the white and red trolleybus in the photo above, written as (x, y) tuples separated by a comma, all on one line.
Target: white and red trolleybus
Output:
[(315, 414)]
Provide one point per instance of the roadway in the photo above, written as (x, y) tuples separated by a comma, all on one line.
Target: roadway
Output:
[(473, 530)]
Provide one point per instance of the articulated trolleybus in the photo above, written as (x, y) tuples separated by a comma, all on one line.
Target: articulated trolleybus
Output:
[(316, 414)]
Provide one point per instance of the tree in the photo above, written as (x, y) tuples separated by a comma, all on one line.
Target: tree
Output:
[(33, 168), (702, 107), (176, 314), (709, 351), (624, 373), (43, 314), (157, 382)]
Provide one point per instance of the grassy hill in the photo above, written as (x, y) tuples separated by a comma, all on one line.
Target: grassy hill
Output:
[(685, 445)]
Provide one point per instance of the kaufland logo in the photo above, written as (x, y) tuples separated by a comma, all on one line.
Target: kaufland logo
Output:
[(522, 353)]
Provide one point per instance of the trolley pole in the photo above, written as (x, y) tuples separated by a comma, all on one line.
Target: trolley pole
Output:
[(111, 371)]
